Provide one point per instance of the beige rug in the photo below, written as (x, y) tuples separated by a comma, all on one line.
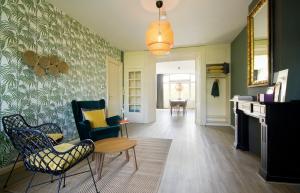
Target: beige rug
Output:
[(119, 176)]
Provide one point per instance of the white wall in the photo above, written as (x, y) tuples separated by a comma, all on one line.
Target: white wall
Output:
[(176, 67), (205, 108), (218, 108)]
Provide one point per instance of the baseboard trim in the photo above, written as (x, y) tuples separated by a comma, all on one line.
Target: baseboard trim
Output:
[(218, 124)]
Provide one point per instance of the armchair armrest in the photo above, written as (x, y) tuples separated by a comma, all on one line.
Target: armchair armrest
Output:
[(83, 147), (48, 128), (52, 130), (115, 120), (70, 157), (84, 128)]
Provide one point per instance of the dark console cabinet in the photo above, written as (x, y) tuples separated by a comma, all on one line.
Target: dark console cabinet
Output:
[(280, 137)]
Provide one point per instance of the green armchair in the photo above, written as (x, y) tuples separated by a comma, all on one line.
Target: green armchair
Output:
[(83, 126)]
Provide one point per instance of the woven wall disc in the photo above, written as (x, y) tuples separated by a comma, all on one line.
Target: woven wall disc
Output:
[(54, 60), (53, 70), (30, 58), (44, 62), (63, 67), (39, 70)]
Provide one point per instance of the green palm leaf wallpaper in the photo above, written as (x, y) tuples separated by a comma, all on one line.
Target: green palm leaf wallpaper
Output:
[(39, 26)]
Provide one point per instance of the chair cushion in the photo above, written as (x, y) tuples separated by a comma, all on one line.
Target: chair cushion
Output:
[(96, 117), (48, 160), (55, 136)]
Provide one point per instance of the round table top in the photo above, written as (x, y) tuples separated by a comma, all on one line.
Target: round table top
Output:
[(113, 145)]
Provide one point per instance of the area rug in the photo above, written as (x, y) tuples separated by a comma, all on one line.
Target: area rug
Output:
[(119, 176)]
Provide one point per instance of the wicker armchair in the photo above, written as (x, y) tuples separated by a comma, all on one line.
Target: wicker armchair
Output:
[(15, 121), (39, 154)]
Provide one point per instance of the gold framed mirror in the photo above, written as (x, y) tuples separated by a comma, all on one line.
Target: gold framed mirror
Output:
[(259, 49)]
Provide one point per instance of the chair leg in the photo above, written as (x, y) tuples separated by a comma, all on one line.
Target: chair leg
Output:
[(11, 171), (59, 182), (30, 182), (64, 185), (93, 156), (136, 166), (92, 175)]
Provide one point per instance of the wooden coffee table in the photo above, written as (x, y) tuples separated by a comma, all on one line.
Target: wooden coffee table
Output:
[(112, 145)]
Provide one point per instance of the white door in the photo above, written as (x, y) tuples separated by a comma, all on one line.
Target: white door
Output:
[(114, 87)]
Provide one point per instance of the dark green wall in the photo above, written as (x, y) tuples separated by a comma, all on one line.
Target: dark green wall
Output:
[(287, 44), (239, 64), (286, 51), (239, 67)]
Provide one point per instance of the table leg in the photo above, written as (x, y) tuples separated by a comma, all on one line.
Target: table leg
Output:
[(136, 166), (97, 157), (127, 155), (99, 163), (126, 130)]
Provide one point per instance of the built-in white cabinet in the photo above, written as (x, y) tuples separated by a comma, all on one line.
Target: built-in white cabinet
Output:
[(134, 91)]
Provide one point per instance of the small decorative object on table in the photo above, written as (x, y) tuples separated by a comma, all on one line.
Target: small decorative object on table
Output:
[(268, 96), (282, 78), (277, 89)]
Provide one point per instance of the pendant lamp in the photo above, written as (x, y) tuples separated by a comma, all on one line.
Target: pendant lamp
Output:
[(159, 37)]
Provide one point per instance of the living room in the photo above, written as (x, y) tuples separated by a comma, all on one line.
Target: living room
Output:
[(86, 89)]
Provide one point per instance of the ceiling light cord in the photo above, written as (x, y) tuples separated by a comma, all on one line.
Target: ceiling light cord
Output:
[(159, 4)]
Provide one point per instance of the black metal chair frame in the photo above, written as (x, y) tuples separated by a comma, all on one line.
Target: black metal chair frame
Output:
[(40, 156), (18, 121)]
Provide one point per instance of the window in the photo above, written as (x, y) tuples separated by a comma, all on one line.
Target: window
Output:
[(179, 86)]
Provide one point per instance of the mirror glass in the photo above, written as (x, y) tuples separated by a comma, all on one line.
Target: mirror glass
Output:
[(259, 45)]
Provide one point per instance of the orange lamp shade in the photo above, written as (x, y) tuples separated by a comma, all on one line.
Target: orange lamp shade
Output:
[(160, 38), (179, 87)]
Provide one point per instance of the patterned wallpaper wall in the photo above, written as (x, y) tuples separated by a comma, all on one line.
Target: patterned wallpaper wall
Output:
[(39, 26)]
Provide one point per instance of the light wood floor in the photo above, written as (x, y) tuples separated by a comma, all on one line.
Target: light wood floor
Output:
[(201, 159)]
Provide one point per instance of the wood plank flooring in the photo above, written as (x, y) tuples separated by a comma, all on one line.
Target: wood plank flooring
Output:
[(201, 159)]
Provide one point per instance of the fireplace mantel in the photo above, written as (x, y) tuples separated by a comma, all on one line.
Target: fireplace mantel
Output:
[(280, 133)]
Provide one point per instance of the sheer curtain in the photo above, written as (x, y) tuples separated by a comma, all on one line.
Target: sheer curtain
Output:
[(160, 91)]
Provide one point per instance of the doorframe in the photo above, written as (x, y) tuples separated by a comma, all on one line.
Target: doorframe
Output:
[(198, 55), (110, 60)]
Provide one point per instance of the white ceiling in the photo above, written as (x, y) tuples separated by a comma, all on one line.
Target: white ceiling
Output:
[(176, 67), (124, 22)]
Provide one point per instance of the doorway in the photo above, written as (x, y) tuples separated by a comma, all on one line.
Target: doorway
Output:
[(176, 82), (114, 87)]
